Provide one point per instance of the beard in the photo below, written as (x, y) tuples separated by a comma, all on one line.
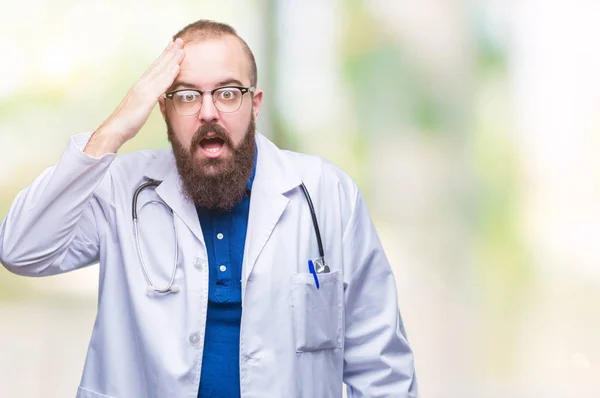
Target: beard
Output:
[(215, 184)]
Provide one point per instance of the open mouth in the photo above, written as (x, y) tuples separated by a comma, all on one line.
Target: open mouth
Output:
[(212, 147)]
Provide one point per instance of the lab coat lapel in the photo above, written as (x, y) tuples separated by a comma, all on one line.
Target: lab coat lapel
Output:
[(171, 192), (274, 177)]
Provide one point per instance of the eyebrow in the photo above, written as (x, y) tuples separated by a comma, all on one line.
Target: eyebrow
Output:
[(227, 82)]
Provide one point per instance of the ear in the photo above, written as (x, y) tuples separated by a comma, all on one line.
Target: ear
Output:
[(257, 97), (163, 107)]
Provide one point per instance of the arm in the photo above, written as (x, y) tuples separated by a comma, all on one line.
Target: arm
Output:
[(50, 227), (378, 361)]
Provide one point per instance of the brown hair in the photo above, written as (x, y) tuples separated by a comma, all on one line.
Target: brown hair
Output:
[(205, 29)]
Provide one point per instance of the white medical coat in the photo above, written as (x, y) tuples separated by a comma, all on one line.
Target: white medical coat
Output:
[(295, 341)]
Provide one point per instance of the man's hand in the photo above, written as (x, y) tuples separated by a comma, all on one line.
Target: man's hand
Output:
[(127, 120)]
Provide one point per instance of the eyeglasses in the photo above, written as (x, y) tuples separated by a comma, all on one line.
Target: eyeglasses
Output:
[(188, 102)]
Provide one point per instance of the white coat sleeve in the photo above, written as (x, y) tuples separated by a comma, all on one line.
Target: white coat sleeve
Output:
[(378, 361), (50, 227)]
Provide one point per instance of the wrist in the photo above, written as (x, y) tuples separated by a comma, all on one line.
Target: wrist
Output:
[(102, 142)]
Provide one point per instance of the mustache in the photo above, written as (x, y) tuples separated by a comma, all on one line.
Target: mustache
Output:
[(219, 132)]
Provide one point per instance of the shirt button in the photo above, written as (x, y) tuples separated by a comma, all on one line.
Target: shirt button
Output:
[(194, 338), (198, 263), (223, 268), (219, 236)]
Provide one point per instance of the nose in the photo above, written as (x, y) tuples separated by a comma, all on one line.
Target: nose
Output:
[(208, 112)]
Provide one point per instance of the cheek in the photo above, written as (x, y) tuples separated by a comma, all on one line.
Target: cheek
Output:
[(184, 130), (237, 129)]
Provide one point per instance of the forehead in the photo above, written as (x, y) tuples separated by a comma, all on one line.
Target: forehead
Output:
[(210, 61)]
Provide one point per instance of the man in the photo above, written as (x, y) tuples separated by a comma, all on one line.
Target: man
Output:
[(216, 287)]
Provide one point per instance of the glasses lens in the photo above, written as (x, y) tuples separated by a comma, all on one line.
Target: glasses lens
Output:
[(187, 102), (228, 99)]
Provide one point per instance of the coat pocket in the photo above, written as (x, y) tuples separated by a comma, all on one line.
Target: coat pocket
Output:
[(85, 393), (317, 312)]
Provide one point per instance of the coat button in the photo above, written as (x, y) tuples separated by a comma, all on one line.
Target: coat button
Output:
[(223, 268), (219, 236), (198, 263), (194, 338)]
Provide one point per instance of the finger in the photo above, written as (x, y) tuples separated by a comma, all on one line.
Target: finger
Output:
[(174, 57), (170, 76), (163, 60), (165, 77), (157, 79), (160, 78), (165, 53)]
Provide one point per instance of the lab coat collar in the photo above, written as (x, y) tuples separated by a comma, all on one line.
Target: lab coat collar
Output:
[(273, 169), (164, 169), (275, 176)]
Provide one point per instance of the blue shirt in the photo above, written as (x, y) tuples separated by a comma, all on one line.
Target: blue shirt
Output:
[(225, 237)]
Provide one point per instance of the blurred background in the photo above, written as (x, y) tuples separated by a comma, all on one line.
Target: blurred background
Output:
[(471, 126)]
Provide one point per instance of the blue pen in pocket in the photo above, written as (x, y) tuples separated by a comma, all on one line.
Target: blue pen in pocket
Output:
[(311, 269)]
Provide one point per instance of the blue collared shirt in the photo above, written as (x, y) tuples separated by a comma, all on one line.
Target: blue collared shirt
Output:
[(225, 237)]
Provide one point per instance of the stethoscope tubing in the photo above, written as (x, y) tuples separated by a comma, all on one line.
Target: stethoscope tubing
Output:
[(151, 285), (314, 220), (170, 286)]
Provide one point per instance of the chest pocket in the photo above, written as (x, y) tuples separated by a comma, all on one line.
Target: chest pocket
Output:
[(317, 312)]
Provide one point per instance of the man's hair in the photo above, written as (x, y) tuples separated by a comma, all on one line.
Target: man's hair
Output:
[(207, 29)]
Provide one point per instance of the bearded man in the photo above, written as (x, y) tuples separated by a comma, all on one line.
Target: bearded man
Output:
[(228, 267)]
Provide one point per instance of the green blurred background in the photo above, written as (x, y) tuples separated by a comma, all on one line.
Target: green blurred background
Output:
[(470, 126)]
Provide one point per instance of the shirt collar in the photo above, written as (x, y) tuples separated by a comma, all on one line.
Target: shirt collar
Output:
[(253, 172)]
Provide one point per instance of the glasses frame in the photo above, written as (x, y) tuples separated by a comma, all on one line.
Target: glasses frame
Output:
[(243, 90)]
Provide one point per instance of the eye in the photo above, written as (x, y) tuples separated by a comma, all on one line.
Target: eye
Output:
[(227, 94), (186, 96)]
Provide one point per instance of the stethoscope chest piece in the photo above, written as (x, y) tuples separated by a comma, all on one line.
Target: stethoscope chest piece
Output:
[(321, 266), (174, 288)]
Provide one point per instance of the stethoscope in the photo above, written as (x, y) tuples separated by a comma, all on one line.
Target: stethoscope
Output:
[(320, 264)]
